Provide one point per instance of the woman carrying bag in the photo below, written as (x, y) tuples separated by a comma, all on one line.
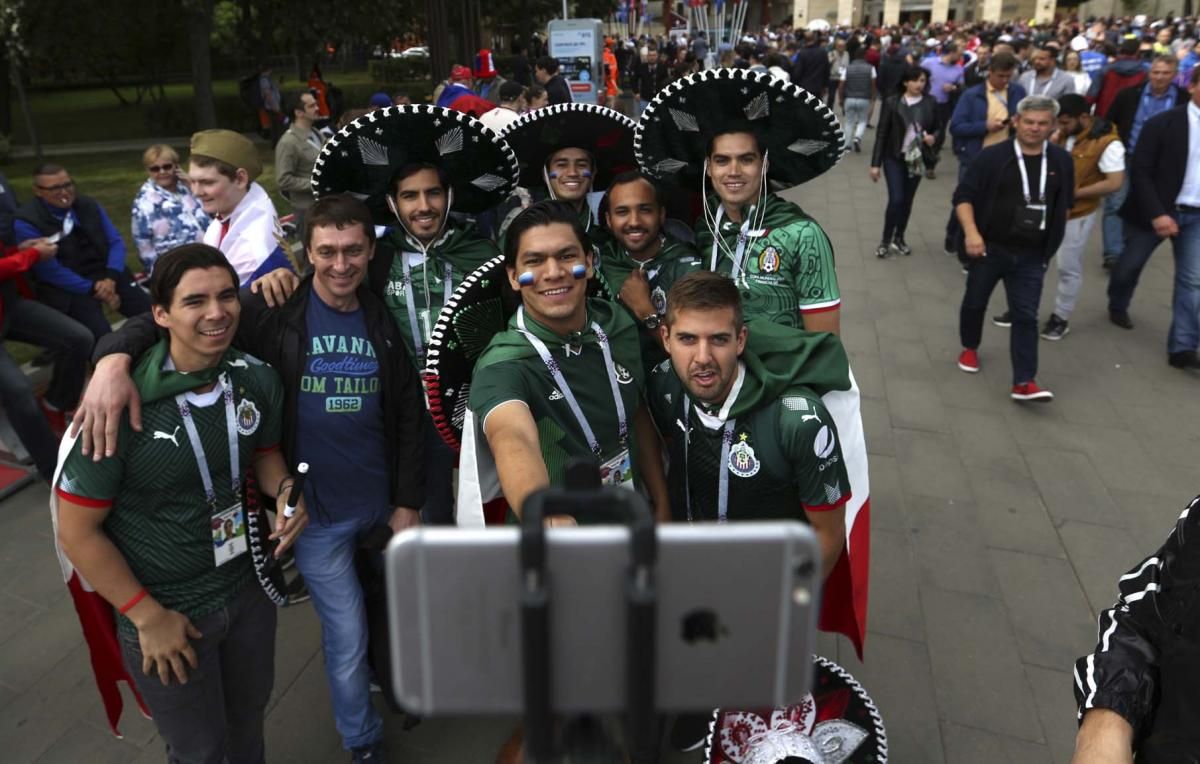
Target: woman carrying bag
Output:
[(907, 125)]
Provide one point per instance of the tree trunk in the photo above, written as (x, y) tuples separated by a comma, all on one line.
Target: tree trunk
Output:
[(200, 21), (5, 97), (439, 56)]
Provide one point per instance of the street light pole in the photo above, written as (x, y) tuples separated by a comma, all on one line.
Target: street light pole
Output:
[(564, 9)]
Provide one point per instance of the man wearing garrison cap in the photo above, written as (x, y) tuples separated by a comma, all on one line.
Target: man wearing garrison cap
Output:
[(245, 227)]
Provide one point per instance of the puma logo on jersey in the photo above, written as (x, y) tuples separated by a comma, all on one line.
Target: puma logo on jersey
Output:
[(160, 434), (238, 363), (809, 417)]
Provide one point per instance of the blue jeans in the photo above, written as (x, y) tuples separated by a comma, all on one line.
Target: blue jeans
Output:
[(325, 557), (1140, 243), (1113, 225), (217, 717), (71, 343), (902, 189), (89, 311), (857, 112), (1022, 275)]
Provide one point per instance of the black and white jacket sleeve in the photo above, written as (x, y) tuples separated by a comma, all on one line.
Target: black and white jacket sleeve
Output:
[(1138, 634)]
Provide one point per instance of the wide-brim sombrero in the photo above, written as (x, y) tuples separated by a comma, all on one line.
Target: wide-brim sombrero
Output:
[(802, 135), (478, 310), (837, 723), (362, 157), (605, 134)]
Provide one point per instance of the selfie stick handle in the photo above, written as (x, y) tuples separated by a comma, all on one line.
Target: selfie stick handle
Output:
[(535, 632), (293, 500)]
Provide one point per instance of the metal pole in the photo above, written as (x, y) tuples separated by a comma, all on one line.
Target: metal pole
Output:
[(564, 9)]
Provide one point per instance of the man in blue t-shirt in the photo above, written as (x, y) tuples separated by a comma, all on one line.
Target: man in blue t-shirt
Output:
[(353, 410)]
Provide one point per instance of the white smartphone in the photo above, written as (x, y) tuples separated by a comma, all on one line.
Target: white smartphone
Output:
[(737, 608)]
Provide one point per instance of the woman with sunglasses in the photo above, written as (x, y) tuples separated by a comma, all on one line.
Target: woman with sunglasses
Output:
[(165, 212)]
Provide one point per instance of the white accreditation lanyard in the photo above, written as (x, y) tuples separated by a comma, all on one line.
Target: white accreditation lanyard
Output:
[(185, 412), (555, 372), (739, 256), (421, 327), (1025, 181), (723, 465)]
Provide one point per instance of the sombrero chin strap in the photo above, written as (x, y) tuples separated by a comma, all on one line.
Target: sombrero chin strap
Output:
[(712, 219)]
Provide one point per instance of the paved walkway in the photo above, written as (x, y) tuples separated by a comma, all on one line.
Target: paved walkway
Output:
[(999, 529)]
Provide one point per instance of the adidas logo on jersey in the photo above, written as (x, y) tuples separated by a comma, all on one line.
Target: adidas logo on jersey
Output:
[(555, 395)]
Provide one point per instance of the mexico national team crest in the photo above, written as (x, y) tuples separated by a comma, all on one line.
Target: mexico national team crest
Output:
[(742, 461), (769, 261), (248, 417), (658, 298)]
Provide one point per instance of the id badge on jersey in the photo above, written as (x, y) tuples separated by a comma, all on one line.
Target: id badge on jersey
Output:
[(618, 471), (229, 534)]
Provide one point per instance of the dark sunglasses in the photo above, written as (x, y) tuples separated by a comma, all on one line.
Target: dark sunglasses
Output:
[(60, 187), (166, 167)]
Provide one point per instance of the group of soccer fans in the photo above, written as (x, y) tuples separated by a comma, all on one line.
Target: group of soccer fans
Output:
[(579, 285)]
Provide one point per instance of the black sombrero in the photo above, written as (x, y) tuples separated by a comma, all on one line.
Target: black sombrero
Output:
[(606, 134), (837, 723), (478, 310), (258, 530), (802, 134), (361, 158)]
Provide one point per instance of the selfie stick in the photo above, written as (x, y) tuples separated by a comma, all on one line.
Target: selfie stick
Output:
[(583, 497), (293, 500)]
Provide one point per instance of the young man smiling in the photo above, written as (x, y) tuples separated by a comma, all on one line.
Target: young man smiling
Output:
[(565, 380), (222, 168), (354, 413), (142, 526), (735, 131)]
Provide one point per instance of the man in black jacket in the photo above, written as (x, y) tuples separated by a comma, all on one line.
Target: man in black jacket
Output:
[(353, 411), (1164, 203), (650, 77), (811, 69), (545, 71), (1013, 204), (1130, 110), (1136, 691)]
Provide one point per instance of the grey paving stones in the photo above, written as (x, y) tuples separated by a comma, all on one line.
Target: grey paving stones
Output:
[(1050, 615)]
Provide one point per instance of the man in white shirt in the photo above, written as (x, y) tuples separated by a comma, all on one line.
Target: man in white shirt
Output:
[(1099, 158), (1164, 203), (512, 103)]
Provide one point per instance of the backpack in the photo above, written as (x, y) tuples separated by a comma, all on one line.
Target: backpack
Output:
[(249, 91), (1112, 84)]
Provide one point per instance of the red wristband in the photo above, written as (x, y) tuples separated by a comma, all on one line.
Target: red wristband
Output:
[(135, 599)]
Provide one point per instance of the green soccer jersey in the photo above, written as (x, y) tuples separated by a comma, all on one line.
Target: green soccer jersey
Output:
[(160, 520), (786, 268), (433, 277), (511, 370), (674, 260), (783, 457)]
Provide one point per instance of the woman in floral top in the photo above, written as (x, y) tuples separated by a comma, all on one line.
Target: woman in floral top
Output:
[(165, 213)]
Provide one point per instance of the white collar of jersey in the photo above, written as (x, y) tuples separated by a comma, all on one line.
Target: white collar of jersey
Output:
[(718, 421), (199, 400)]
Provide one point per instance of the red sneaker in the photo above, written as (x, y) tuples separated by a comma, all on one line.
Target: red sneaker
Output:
[(968, 361), (1029, 391)]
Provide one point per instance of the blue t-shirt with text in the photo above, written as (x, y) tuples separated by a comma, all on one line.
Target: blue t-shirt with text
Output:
[(341, 417)]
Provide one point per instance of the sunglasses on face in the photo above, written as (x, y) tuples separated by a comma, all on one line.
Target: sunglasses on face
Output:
[(60, 187), (164, 167)]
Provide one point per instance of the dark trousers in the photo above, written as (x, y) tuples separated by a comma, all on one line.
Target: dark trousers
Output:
[(218, 715), (902, 189), (439, 478), (1140, 243), (89, 311), (71, 344), (944, 112), (1022, 275), (953, 227)]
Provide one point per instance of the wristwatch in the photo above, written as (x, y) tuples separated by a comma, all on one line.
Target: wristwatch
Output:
[(652, 321)]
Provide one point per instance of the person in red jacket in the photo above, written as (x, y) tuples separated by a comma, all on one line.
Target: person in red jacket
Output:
[(26, 320)]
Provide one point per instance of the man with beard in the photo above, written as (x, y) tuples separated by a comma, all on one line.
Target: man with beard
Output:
[(743, 130), (565, 380), (568, 153), (641, 260)]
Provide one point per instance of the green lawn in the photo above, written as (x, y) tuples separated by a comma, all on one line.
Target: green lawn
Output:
[(95, 114)]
